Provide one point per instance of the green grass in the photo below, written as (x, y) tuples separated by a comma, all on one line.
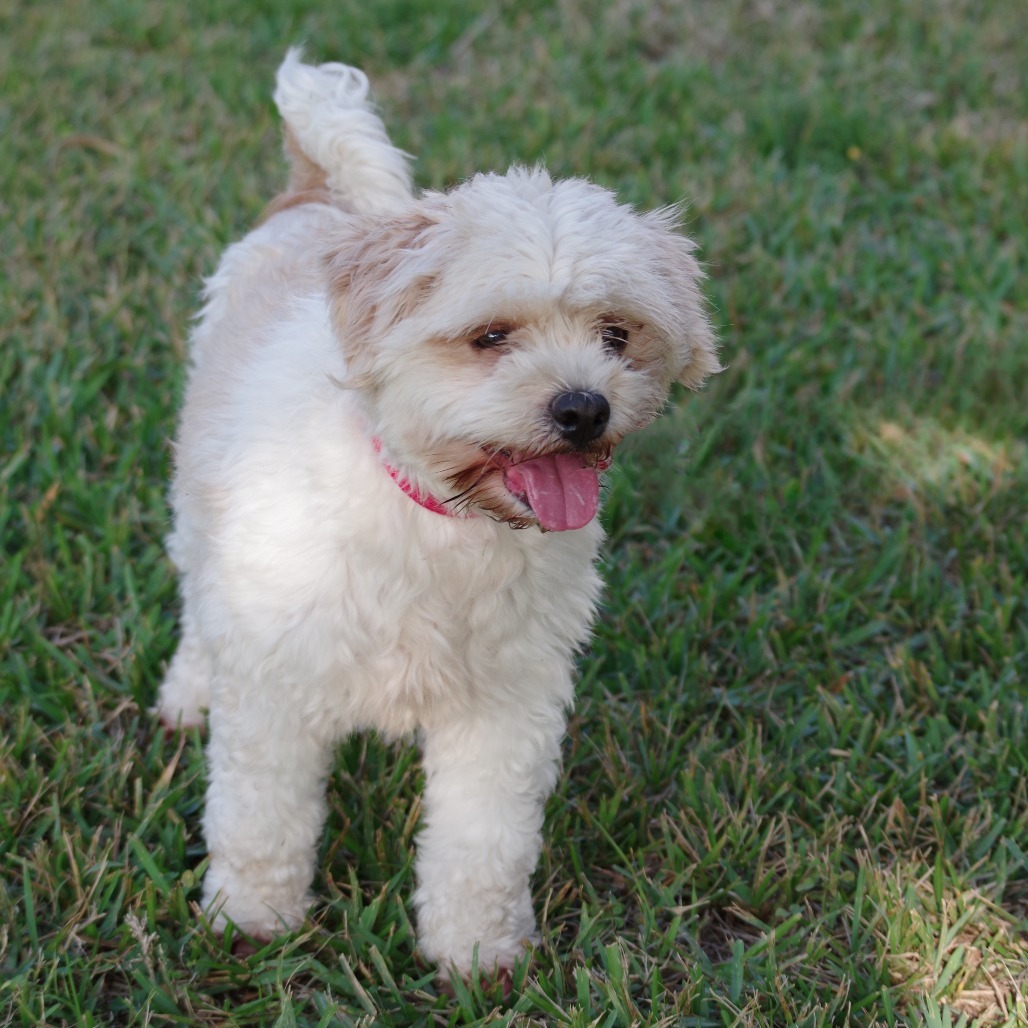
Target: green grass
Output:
[(796, 786)]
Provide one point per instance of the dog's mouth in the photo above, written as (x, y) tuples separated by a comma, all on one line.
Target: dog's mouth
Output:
[(562, 490)]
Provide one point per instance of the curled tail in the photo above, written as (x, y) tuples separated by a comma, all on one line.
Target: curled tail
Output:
[(334, 139)]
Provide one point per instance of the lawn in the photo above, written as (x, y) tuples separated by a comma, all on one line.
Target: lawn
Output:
[(796, 781)]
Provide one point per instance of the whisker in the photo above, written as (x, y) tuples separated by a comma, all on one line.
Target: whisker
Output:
[(474, 485)]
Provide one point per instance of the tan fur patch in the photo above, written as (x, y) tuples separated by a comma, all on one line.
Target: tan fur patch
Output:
[(308, 182), (363, 275), (284, 201), (304, 174)]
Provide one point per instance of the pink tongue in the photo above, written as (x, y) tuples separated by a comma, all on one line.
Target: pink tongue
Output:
[(561, 489)]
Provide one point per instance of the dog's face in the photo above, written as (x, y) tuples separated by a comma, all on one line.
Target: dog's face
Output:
[(507, 335)]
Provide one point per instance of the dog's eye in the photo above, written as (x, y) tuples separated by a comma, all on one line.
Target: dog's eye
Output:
[(615, 338), (490, 339)]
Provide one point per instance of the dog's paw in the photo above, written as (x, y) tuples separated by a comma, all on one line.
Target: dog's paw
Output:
[(498, 981), (185, 693), (173, 724), (244, 947)]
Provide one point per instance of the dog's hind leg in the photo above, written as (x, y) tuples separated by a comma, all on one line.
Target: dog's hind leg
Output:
[(186, 690)]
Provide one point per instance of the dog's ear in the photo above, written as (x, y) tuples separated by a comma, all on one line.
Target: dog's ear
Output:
[(684, 311), (379, 274)]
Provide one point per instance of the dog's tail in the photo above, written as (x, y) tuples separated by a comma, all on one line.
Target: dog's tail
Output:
[(334, 140)]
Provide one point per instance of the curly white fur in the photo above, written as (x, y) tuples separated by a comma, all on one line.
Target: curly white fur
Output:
[(328, 111), (348, 335)]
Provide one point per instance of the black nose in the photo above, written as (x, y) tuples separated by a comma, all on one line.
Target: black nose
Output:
[(581, 417)]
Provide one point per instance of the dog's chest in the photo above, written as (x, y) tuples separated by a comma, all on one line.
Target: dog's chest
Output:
[(449, 621)]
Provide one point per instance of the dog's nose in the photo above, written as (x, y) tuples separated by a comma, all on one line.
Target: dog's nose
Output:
[(580, 416)]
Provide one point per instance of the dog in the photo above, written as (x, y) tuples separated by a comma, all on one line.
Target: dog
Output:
[(398, 413)]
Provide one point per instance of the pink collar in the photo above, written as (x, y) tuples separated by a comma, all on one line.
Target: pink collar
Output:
[(420, 498)]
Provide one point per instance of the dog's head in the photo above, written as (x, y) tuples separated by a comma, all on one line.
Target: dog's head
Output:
[(507, 335)]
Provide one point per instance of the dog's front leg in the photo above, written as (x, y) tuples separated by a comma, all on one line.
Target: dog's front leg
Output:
[(265, 809), (487, 778)]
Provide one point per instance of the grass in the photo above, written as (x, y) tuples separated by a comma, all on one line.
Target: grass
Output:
[(796, 787)]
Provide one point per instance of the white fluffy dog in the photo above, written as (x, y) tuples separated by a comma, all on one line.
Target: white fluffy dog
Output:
[(382, 387)]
